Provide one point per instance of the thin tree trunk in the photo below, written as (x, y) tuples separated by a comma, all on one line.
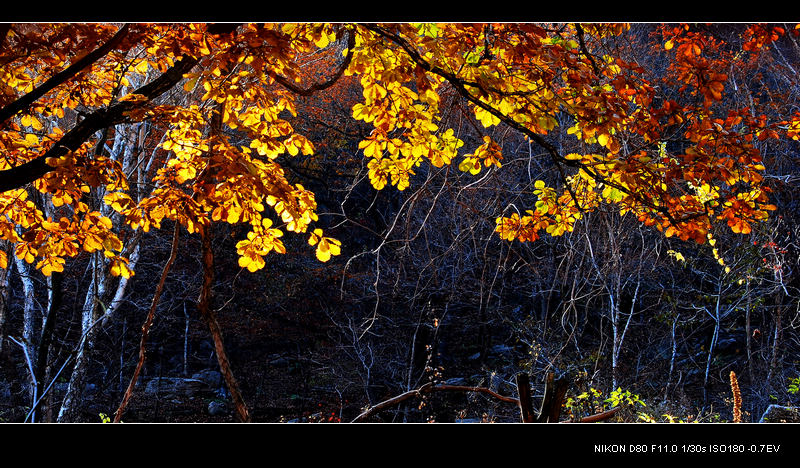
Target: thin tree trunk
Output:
[(714, 339), (148, 323), (34, 389), (74, 392), (125, 139), (28, 308), (205, 298), (185, 341), (672, 357), (53, 305), (776, 339), (90, 315), (204, 307), (5, 276)]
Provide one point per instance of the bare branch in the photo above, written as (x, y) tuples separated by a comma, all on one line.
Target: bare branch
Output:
[(428, 388)]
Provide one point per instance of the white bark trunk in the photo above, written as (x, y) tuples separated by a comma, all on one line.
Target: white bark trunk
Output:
[(4, 278)]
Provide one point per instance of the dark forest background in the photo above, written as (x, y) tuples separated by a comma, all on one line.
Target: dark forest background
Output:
[(426, 291)]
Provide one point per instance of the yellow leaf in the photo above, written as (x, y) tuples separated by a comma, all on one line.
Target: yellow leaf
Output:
[(486, 118), (315, 237), (50, 264), (676, 255), (119, 267), (141, 67), (92, 243), (25, 252), (112, 243), (323, 41), (326, 248), (252, 262)]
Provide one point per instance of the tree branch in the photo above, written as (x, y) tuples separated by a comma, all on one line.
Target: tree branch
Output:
[(351, 42), (579, 30), (599, 416), (428, 388)]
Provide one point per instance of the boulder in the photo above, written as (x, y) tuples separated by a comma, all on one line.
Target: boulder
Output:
[(178, 388), (209, 376), (217, 408)]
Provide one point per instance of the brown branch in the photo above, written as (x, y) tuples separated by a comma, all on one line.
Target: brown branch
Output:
[(584, 49), (63, 76), (428, 388), (148, 323), (599, 416), (351, 42), (555, 391)]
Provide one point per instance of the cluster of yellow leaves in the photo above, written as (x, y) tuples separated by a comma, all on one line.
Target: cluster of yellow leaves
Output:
[(489, 153), (260, 241), (326, 246), (555, 214)]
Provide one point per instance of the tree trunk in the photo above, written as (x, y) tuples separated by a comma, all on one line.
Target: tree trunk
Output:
[(204, 307), (74, 394), (125, 139), (54, 298), (28, 309), (148, 323), (4, 278)]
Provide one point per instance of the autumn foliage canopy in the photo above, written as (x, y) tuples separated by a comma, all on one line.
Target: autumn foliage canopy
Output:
[(659, 147)]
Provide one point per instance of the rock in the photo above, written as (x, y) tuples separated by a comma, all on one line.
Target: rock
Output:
[(211, 377), (178, 388), (501, 349), (781, 414), (279, 362), (456, 381), (217, 408)]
